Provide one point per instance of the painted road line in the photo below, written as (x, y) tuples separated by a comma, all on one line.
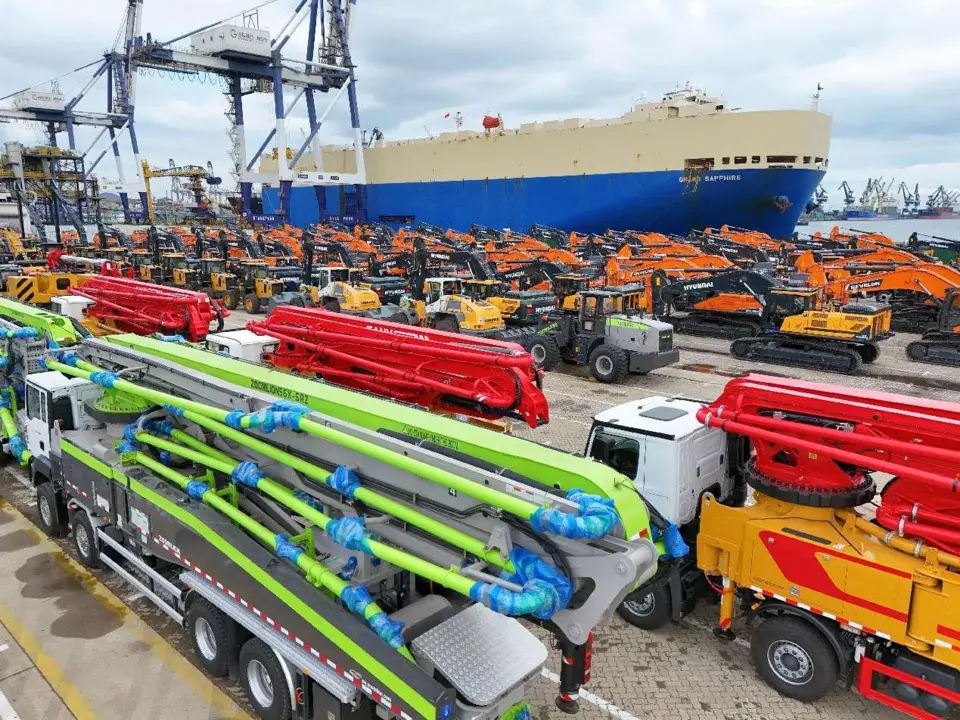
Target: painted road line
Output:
[(59, 679), (6, 709), (607, 707)]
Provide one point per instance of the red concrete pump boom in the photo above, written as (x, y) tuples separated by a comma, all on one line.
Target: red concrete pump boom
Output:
[(819, 445), (143, 308), (444, 371)]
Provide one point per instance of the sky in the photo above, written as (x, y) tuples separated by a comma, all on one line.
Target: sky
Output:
[(888, 70)]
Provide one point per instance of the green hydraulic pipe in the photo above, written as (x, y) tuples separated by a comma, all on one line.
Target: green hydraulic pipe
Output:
[(369, 497), (317, 573), (515, 506), (446, 577), (12, 433)]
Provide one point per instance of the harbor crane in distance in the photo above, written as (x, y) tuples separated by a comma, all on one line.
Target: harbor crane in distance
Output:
[(196, 175), (848, 197)]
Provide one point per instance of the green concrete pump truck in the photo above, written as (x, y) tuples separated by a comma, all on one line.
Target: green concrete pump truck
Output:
[(335, 553)]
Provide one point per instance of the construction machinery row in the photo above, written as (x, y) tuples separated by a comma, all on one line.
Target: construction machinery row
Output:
[(335, 551)]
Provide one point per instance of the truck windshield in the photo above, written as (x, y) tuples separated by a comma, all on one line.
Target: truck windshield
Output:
[(620, 453)]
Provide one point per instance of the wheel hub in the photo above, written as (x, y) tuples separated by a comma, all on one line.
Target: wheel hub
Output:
[(604, 365), (643, 606), (46, 514), (790, 662), (83, 541), (206, 640), (539, 353), (260, 683)]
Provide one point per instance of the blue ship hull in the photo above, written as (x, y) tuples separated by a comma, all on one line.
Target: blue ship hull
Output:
[(768, 200)]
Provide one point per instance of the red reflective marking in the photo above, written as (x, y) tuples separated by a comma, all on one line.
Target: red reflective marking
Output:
[(798, 562), (949, 632)]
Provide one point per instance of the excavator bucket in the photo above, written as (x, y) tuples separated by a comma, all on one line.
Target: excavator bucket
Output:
[(443, 371)]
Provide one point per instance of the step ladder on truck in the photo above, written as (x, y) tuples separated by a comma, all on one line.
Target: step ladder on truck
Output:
[(331, 567)]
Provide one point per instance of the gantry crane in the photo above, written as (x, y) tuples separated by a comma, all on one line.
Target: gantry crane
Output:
[(196, 174)]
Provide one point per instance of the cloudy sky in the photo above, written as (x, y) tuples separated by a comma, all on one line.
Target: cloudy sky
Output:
[(889, 69)]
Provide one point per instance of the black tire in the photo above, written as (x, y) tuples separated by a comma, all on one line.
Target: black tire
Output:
[(273, 304), (609, 364), (231, 299), (252, 678), (917, 350), (331, 304), (647, 608), (740, 348), (252, 303), (210, 636), (794, 658), (51, 510), (447, 323), (85, 540), (545, 351), (400, 317), (298, 301), (869, 352)]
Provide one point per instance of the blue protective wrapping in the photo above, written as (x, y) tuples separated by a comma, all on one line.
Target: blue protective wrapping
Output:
[(177, 412), (196, 489), (286, 549), (344, 481), (24, 332), (545, 589), (349, 532), (17, 447), (282, 413), (246, 473), (165, 457), (68, 358), (104, 378), (172, 338), (233, 419), (357, 598), (308, 499), (130, 432), (125, 446), (3, 361), (674, 545), (349, 568), (4, 399), (160, 427), (595, 518)]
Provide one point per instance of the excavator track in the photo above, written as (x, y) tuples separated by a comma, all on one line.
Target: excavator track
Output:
[(711, 325), (935, 352), (781, 349)]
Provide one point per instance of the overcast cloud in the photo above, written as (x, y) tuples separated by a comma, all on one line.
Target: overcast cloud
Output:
[(889, 69)]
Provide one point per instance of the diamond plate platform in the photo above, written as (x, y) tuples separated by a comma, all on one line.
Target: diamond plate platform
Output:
[(482, 653)]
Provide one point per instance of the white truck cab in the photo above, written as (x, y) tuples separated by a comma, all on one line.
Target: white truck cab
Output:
[(673, 460), (671, 457), (54, 400), (241, 344), (71, 306)]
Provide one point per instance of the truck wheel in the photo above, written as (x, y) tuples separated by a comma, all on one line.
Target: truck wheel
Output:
[(252, 304), (231, 300), (210, 636), (264, 681), (331, 304), (609, 364), (447, 323), (869, 352), (647, 608), (85, 539), (545, 352), (51, 510), (794, 658)]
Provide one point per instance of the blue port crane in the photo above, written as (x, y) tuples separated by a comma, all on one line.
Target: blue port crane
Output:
[(251, 62)]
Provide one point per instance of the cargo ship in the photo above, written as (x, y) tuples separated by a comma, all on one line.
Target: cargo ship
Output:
[(683, 162)]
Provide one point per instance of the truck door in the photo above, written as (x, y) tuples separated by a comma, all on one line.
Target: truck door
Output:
[(621, 450), (38, 428)]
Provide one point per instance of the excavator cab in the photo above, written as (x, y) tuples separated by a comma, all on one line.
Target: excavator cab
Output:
[(784, 303), (567, 288)]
